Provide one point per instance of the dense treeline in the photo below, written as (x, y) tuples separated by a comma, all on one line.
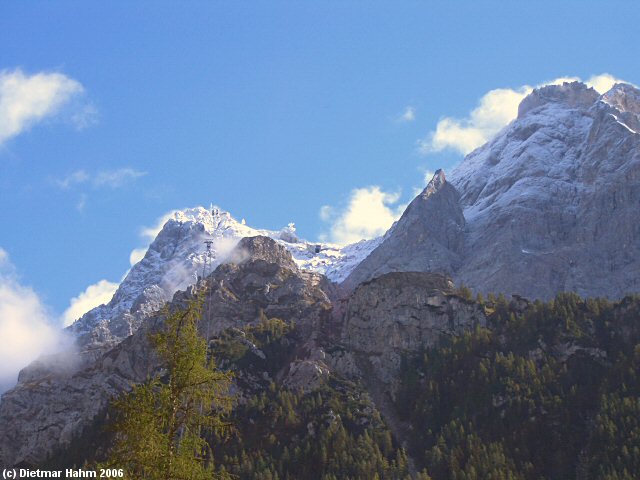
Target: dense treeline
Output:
[(545, 391), (331, 433)]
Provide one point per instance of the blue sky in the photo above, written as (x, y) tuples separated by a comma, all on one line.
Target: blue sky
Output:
[(272, 110)]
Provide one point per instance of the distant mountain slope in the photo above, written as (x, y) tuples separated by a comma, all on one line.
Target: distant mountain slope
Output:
[(550, 204), (177, 256)]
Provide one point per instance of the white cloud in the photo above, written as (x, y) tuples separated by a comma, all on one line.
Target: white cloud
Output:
[(603, 83), (74, 178), (94, 295), (85, 116), (26, 329), (116, 178), (136, 255), (408, 114), (82, 202), (28, 99), (369, 213), (495, 110), (105, 178)]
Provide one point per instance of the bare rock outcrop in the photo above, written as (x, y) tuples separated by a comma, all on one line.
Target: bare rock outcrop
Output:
[(549, 205), (401, 313)]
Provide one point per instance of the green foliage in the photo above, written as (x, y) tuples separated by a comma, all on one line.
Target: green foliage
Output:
[(331, 433), (160, 424), (542, 392), (465, 292)]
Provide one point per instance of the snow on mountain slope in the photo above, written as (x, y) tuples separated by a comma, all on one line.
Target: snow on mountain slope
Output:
[(551, 202), (177, 256)]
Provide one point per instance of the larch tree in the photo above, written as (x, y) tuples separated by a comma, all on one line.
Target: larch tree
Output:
[(161, 423)]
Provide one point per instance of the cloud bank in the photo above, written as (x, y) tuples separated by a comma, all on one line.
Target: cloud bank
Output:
[(495, 110), (26, 100), (25, 325), (369, 213)]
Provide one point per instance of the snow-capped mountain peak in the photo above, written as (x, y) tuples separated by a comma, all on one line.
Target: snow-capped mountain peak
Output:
[(623, 97), (569, 95), (179, 254)]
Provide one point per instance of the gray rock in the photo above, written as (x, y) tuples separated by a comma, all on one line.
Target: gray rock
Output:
[(401, 313), (46, 411), (306, 375), (549, 205), (428, 237)]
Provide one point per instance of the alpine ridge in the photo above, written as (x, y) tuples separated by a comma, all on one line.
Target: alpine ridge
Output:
[(176, 258), (549, 205)]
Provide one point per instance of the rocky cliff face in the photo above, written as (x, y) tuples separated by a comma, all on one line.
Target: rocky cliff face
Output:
[(427, 238), (549, 205), (42, 414), (177, 256), (551, 202), (398, 313), (173, 262), (401, 313)]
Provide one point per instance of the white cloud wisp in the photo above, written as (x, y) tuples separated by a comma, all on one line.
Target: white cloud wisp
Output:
[(94, 295), (407, 115), (104, 178)]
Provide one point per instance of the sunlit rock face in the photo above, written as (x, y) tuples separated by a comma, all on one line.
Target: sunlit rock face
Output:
[(549, 205)]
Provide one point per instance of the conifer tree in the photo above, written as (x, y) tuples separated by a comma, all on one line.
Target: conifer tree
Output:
[(161, 423)]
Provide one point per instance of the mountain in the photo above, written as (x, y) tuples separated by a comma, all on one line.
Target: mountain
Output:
[(370, 351), (177, 256), (549, 205), (46, 415), (172, 263), (429, 237), (407, 377)]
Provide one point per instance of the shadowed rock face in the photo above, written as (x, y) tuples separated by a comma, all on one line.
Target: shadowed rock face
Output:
[(428, 236), (403, 312), (44, 416), (44, 413), (549, 205)]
